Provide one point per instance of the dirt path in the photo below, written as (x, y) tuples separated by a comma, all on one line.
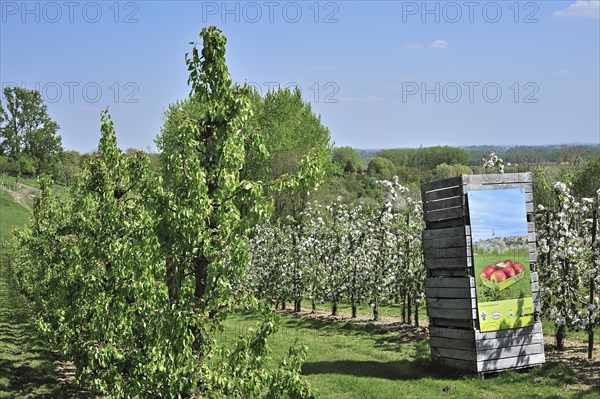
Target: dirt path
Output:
[(28, 369), (24, 196)]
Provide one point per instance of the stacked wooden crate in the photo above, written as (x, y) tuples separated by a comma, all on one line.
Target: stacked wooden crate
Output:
[(455, 338)]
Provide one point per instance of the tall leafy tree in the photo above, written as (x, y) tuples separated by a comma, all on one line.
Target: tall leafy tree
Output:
[(27, 129), (292, 134), (204, 210), (131, 275)]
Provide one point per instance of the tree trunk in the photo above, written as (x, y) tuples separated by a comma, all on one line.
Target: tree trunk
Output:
[(375, 310), (416, 314), (313, 306), (592, 287), (173, 281), (282, 305), (297, 307), (334, 306), (560, 338), (403, 308), (409, 308), (201, 274), (353, 305)]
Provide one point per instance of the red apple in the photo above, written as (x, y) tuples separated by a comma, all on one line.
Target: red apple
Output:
[(487, 272), (508, 262), (498, 276), (509, 271), (518, 268)]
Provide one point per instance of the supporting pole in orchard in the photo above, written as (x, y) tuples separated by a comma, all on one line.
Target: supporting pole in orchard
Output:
[(592, 286)]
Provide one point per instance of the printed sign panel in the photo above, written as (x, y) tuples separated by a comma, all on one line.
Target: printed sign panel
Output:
[(498, 221)]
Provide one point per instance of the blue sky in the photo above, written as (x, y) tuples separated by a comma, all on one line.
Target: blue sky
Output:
[(381, 74), (498, 213)]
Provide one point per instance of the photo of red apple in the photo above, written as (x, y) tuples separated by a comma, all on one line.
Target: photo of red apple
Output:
[(508, 262), (487, 272), (498, 276), (509, 271), (518, 268)]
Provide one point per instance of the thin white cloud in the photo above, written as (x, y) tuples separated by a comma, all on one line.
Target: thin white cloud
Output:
[(562, 72), (439, 44), (581, 9), (322, 68), (413, 45)]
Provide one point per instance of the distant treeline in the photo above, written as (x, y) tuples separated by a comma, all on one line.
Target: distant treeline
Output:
[(571, 153)]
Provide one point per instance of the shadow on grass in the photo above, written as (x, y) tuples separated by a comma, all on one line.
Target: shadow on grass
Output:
[(393, 370)]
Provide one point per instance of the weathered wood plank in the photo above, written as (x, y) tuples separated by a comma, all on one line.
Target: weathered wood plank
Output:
[(456, 272), (443, 193), (455, 303), (511, 351), (516, 341), (452, 242), (511, 362), (530, 227), (450, 232), (467, 282), (444, 203), (444, 183), (438, 342), (443, 214), (455, 363), (451, 353), (445, 253), (531, 237), (442, 224), (479, 187), (452, 333), (448, 263), (498, 178), (515, 332), (451, 323), (534, 277), (450, 293), (529, 197), (460, 314)]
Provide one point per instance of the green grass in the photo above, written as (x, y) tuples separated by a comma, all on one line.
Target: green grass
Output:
[(364, 361), (11, 182), (11, 215)]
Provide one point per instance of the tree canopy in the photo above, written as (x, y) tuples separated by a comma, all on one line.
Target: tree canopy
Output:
[(28, 137)]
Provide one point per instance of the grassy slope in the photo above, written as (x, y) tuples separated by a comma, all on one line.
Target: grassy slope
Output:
[(11, 215), (10, 182), (363, 361)]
